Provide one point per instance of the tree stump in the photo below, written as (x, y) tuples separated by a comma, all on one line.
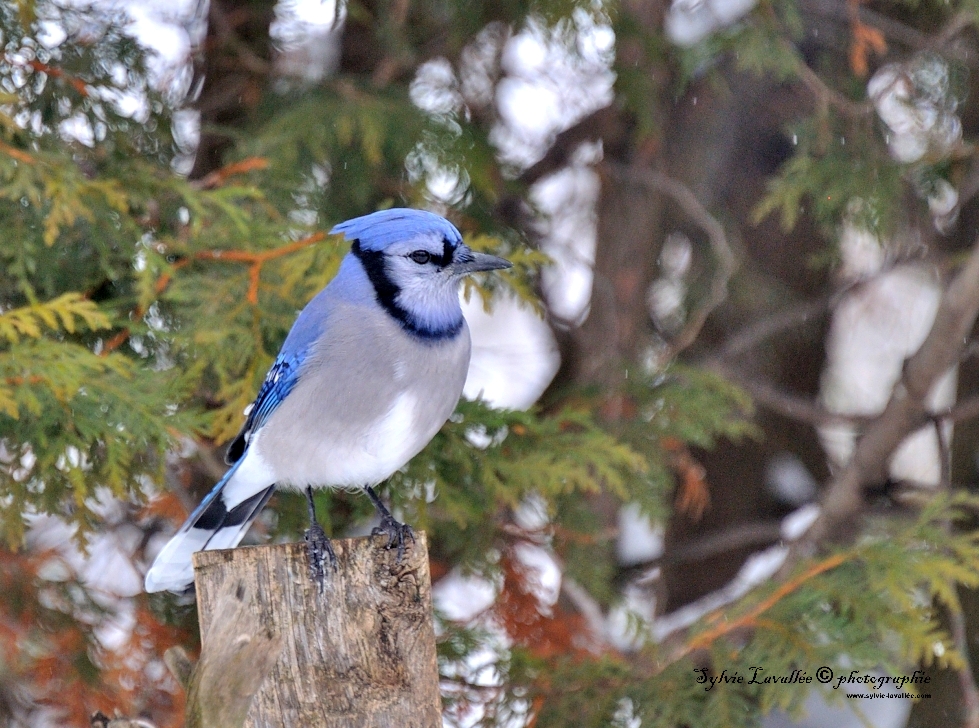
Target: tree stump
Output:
[(361, 653)]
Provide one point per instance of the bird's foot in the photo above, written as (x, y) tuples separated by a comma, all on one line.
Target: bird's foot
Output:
[(397, 533), (319, 547)]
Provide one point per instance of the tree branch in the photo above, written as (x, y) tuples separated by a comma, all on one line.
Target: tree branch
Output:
[(759, 533), (225, 31), (786, 404), (606, 125), (967, 409), (830, 96), (723, 255), (722, 627), (895, 30), (905, 412), (843, 498), (793, 406), (755, 333)]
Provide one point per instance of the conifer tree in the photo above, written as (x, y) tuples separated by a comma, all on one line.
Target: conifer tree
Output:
[(146, 284)]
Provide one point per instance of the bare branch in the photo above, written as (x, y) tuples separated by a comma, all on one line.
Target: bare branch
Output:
[(843, 498), (967, 409), (969, 186), (742, 535), (748, 621), (754, 334), (723, 255), (958, 23), (789, 405), (587, 607), (606, 125), (905, 412), (944, 453), (224, 30), (792, 406), (895, 30), (830, 96), (180, 665), (739, 536)]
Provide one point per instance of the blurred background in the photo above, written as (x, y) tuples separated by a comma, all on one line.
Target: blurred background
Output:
[(732, 222)]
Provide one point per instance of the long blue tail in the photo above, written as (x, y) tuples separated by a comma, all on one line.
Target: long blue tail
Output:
[(219, 522)]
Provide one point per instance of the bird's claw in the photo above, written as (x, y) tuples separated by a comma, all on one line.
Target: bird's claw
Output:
[(319, 547), (397, 533)]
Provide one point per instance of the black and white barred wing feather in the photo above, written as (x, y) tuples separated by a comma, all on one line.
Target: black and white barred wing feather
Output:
[(223, 517)]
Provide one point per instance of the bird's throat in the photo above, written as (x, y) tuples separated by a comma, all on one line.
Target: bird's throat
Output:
[(428, 320)]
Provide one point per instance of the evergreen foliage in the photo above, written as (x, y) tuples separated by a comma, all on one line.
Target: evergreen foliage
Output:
[(140, 310)]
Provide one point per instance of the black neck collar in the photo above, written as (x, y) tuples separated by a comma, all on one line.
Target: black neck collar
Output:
[(387, 295)]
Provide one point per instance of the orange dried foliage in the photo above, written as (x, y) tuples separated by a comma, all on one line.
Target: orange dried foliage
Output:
[(255, 261), (547, 631), (618, 407), (723, 625), (563, 534), (535, 707), (117, 340), (438, 569), (693, 494), (76, 83), (18, 381), (48, 645), (166, 506), (18, 154), (219, 176), (866, 40)]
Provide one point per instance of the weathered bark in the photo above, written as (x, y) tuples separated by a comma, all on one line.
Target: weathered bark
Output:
[(362, 653), (238, 653)]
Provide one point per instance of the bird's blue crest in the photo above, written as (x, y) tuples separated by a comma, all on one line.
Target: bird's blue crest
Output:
[(380, 229)]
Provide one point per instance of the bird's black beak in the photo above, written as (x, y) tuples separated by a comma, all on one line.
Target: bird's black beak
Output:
[(468, 261)]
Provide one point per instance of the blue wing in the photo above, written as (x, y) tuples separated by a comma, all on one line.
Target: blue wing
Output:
[(223, 517), (280, 380), (284, 374)]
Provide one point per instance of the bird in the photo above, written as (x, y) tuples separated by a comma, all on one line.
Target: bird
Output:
[(372, 368)]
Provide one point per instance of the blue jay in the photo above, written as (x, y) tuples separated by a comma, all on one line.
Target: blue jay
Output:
[(372, 368)]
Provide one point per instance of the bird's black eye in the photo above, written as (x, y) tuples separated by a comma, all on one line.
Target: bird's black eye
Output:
[(421, 256)]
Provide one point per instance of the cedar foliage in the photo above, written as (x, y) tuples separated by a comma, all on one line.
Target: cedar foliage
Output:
[(140, 310)]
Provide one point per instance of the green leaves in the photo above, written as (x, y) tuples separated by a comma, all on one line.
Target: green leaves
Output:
[(139, 309), (486, 459), (485, 465), (62, 313), (72, 422), (874, 607), (693, 405), (832, 181)]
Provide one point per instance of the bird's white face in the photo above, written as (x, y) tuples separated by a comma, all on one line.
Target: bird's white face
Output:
[(425, 282), (416, 280)]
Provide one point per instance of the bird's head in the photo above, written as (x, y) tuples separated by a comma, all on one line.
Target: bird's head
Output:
[(415, 260)]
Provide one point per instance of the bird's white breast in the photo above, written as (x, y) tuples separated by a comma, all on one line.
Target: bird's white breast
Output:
[(369, 401), (384, 446)]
